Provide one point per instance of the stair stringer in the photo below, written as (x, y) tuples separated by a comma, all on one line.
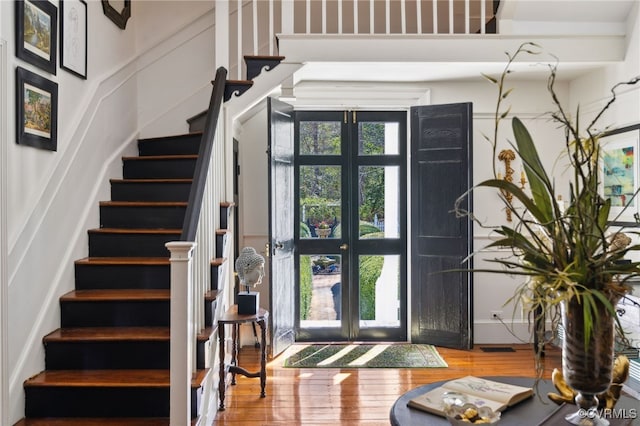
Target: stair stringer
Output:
[(263, 86), (223, 302)]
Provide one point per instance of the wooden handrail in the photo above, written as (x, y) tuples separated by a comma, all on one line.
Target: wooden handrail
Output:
[(190, 224)]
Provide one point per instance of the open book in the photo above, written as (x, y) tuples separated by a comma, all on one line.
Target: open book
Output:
[(480, 392)]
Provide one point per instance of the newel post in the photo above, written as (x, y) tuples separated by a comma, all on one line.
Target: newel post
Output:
[(182, 335)]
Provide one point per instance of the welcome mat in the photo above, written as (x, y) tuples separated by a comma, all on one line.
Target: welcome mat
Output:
[(363, 356)]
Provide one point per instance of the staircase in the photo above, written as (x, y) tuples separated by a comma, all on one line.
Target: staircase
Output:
[(108, 363)]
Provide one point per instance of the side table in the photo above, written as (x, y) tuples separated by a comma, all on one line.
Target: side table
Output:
[(234, 319)]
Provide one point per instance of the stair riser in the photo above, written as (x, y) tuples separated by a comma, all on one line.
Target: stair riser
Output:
[(112, 355), (130, 245), (142, 217), (92, 277), (115, 314), (209, 310), (158, 169), (145, 191), (184, 145), (101, 402)]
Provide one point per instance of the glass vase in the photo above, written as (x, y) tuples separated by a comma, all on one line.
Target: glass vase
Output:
[(587, 365)]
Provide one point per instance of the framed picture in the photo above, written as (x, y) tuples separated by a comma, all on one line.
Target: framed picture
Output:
[(73, 37), (37, 33), (620, 172), (119, 11), (36, 110)]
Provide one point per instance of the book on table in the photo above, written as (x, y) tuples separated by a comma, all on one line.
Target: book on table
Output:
[(477, 391)]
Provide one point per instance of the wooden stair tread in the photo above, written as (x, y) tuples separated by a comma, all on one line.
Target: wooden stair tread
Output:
[(143, 203), (170, 137), (148, 180), (107, 378), (102, 334), (222, 231), (161, 157), (211, 295), (123, 261), (103, 295), (227, 204), (218, 261), (86, 421), (107, 334), (135, 231), (265, 57)]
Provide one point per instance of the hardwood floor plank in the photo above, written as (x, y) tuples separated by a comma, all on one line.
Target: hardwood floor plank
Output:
[(319, 396)]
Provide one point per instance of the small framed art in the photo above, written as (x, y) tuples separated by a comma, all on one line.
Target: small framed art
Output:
[(37, 33), (73, 37), (621, 172), (36, 110)]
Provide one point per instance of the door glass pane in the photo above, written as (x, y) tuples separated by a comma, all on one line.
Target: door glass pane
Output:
[(378, 138), (320, 201), (319, 138), (378, 201), (320, 302), (379, 291)]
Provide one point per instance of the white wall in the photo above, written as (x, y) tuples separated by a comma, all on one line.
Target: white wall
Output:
[(53, 196), (530, 100)]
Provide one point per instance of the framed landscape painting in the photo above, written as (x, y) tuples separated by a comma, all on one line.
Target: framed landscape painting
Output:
[(73, 37), (620, 172), (36, 33), (36, 110)]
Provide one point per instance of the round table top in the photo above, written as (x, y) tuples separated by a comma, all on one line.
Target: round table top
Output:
[(531, 411)]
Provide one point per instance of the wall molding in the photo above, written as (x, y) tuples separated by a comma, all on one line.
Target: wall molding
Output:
[(4, 283), (112, 84)]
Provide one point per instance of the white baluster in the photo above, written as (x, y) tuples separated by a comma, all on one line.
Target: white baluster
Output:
[(240, 33), (483, 16), (419, 16), (434, 4), (451, 16), (255, 27)]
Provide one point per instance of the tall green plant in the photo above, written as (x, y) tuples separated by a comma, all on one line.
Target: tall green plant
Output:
[(564, 252)]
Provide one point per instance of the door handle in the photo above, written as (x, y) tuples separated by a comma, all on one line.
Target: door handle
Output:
[(344, 246), (267, 249)]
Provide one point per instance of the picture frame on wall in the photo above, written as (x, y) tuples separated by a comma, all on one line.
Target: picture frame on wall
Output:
[(37, 33), (36, 110), (621, 174), (73, 37), (119, 11)]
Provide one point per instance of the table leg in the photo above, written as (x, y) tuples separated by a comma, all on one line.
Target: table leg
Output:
[(234, 351), (263, 357), (222, 384)]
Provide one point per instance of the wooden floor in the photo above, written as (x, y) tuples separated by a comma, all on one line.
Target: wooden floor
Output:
[(319, 396)]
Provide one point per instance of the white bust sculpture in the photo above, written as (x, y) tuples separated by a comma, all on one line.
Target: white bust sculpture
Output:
[(250, 267)]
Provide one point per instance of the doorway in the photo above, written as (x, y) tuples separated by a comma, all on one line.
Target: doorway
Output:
[(350, 204)]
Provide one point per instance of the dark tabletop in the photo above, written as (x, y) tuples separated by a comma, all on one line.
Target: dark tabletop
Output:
[(531, 411)]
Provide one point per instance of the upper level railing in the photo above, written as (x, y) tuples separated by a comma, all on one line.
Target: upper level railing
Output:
[(251, 26)]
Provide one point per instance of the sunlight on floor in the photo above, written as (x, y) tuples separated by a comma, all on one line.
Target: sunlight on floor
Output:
[(369, 355), (338, 355)]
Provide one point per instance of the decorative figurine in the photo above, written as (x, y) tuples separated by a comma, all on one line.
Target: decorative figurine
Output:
[(250, 269)]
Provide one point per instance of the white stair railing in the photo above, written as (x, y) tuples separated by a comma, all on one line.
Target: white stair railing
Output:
[(191, 259)]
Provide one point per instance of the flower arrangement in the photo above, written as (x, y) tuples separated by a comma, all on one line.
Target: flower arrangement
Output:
[(565, 250), (323, 225)]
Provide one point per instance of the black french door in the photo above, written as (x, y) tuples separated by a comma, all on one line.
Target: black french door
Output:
[(350, 210)]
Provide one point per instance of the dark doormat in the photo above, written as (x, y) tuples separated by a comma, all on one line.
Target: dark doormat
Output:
[(497, 349)]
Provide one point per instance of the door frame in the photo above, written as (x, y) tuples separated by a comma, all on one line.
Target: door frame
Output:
[(350, 160)]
